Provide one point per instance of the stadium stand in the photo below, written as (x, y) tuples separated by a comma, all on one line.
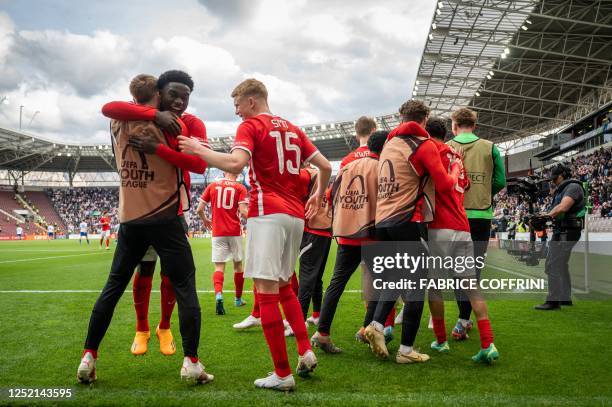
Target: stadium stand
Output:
[(594, 168), (8, 204), (43, 207), (77, 204)]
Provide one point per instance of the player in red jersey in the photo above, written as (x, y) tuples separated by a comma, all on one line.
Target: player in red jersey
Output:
[(276, 149), (173, 89), (228, 201), (105, 223), (254, 318), (449, 235)]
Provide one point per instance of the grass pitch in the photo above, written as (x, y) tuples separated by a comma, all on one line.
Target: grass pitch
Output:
[(547, 358)]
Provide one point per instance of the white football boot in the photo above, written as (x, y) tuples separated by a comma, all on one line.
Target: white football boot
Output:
[(248, 322), (274, 382), (86, 373), (194, 372)]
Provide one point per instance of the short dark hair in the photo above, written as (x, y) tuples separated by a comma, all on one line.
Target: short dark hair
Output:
[(414, 110), (377, 141), (436, 128), (175, 76)]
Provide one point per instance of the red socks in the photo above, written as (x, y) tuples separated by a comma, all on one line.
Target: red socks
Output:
[(390, 321), (239, 283), (293, 314), (141, 289), (486, 333), (274, 331), (107, 242), (94, 353), (218, 281), (255, 313), (168, 300), (439, 329), (295, 285)]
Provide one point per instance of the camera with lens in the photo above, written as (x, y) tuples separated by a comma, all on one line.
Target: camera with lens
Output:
[(529, 189)]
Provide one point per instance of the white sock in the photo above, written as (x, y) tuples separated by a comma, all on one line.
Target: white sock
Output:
[(464, 322), (377, 325), (405, 349)]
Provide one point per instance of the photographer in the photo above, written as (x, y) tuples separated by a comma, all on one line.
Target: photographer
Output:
[(568, 219)]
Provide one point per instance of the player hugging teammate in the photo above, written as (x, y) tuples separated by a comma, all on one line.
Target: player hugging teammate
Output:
[(388, 190), (151, 218)]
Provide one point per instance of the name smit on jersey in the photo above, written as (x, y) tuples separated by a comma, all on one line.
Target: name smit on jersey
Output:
[(133, 177)]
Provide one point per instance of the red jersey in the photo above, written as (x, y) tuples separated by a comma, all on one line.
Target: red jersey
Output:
[(359, 152), (449, 212), (277, 149), (105, 222), (224, 197)]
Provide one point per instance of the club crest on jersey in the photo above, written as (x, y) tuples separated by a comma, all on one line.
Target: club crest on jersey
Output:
[(386, 180)]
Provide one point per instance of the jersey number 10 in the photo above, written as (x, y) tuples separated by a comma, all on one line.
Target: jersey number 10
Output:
[(225, 197)]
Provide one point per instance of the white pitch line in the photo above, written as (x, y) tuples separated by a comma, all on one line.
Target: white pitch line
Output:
[(48, 258)]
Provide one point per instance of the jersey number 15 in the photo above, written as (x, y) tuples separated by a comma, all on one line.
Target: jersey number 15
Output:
[(286, 145)]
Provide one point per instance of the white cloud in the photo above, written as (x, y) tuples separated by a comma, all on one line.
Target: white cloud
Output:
[(88, 63), (321, 60), (327, 29)]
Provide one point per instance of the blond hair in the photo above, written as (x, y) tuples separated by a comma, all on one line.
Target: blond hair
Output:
[(464, 117), (364, 126), (250, 88), (414, 110), (143, 87)]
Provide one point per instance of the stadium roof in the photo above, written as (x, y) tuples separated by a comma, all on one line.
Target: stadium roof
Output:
[(526, 66), (24, 152)]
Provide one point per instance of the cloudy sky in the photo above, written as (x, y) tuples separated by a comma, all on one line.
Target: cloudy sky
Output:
[(322, 60)]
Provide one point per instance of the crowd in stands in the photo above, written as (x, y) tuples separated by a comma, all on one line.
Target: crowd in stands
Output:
[(195, 223), (595, 169), (75, 205)]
